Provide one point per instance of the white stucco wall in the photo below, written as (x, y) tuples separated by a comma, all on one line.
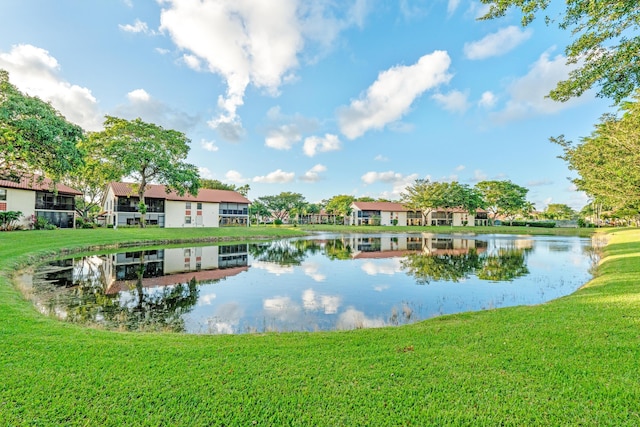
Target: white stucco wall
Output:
[(175, 214), (185, 259), (23, 201)]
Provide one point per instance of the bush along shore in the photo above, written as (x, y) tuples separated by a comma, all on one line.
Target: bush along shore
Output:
[(572, 361)]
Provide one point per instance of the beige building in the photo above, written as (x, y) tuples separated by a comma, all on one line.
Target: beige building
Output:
[(390, 213), (210, 208)]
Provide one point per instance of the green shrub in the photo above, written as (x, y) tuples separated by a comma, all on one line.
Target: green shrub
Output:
[(277, 221)]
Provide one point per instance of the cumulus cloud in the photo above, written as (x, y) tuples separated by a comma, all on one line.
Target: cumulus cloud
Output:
[(392, 94), (454, 101), (478, 176), (313, 301), (244, 41), (235, 177), (460, 168), (275, 177), (487, 100), (387, 177), (35, 72), (192, 62), (498, 43), (137, 27), (209, 145), (283, 137), (315, 144), (141, 104), (205, 173), (398, 181), (527, 95), (313, 174)]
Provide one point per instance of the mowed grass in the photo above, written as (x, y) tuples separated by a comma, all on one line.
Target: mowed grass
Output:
[(573, 361)]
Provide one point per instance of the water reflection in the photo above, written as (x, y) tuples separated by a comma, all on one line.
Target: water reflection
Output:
[(318, 283)]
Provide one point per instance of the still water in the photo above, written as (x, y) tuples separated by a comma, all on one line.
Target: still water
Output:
[(321, 282)]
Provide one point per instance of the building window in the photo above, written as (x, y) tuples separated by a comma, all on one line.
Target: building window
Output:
[(3, 194), (199, 205), (187, 220), (187, 205)]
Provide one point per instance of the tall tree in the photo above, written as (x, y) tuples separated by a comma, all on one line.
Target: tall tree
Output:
[(605, 45), (34, 137), (607, 160), (424, 196), (558, 211), (149, 154), (282, 206), (340, 205), (503, 198)]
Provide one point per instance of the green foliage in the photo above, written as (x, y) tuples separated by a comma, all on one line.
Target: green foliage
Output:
[(148, 153), (214, 184), (503, 197), (8, 220), (607, 160), (558, 211), (605, 46), (41, 223), (283, 205), (34, 137), (340, 205)]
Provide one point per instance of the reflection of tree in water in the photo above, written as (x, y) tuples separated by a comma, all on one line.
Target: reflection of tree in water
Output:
[(506, 265), (337, 249), (157, 309), (283, 252), (450, 267)]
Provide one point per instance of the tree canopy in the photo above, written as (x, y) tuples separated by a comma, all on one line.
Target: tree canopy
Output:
[(214, 184), (424, 195), (605, 46), (607, 160), (283, 205), (34, 136), (503, 197), (149, 154)]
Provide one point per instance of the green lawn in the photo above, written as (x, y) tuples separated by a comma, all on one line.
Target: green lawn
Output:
[(573, 361)]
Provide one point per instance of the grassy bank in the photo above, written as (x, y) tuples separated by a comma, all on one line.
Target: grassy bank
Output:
[(573, 361)]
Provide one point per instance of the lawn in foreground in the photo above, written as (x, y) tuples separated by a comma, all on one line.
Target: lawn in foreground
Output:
[(573, 361)]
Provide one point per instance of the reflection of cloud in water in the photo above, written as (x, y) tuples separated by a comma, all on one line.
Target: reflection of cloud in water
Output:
[(380, 288), (314, 302), (355, 319), (206, 299), (311, 270), (282, 308), (225, 318), (272, 268), (389, 267)]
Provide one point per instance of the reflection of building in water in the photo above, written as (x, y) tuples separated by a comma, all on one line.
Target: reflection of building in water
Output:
[(390, 246), (165, 267)]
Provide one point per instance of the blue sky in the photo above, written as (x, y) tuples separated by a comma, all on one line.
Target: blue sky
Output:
[(319, 97)]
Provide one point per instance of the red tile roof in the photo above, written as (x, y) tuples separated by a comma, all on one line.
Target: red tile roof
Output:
[(125, 189), (380, 206), (38, 183)]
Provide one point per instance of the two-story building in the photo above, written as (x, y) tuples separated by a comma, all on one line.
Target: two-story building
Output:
[(210, 208), (390, 213), (35, 197)]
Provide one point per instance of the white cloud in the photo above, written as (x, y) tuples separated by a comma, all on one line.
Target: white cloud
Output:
[(387, 177), (455, 101), (388, 267), (315, 144), (137, 27), (235, 177), (209, 145), (356, 319), (392, 94), (142, 104), (528, 93), (487, 100), (162, 51), (244, 41), (539, 182), (192, 62), (381, 158), (34, 71), (312, 301), (313, 174), (277, 176), (496, 44), (205, 173), (460, 168), (283, 137), (452, 5), (273, 268), (138, 95), (478, 176)]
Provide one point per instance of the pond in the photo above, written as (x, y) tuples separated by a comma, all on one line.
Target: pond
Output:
[(320, 282)]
